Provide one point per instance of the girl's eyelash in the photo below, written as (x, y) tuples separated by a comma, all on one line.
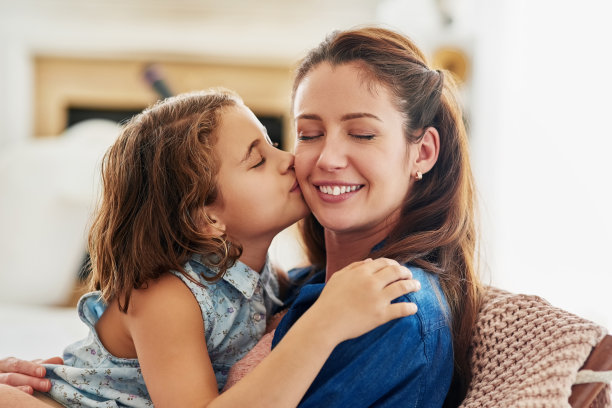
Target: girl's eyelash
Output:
[(260, 163)]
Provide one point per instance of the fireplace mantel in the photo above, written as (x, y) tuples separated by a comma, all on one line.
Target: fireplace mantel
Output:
[(118, 84)]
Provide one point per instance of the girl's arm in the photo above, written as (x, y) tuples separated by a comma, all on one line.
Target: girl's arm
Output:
[(167, 330)]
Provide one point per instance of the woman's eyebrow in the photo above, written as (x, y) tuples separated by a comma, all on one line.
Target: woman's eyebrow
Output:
[(358, 115), (310, 116), (348, 116), (253, 144)]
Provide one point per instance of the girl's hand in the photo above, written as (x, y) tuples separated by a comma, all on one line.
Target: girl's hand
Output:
[(26, 375), (357, 298)]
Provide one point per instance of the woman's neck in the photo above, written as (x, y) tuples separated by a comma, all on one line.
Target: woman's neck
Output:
[(345, 248)]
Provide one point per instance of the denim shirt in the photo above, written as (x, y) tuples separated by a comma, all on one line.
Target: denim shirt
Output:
[(407, 362)]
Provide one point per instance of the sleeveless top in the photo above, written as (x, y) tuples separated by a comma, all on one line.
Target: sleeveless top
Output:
[(234, 311)]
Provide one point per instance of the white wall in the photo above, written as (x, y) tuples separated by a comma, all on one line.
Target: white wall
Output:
[(541, 140), (542, 145), (239, 30), (539, 103)]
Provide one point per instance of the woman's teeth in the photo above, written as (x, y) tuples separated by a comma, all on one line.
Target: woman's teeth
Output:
[(337, 190)]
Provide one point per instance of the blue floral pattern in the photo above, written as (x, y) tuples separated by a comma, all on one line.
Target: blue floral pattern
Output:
[(234, 311)]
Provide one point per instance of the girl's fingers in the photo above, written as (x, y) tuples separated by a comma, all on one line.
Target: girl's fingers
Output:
[(401, 287), (392, 273), (401, 309)]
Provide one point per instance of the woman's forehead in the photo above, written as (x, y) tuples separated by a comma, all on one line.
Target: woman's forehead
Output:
[(340, 88)]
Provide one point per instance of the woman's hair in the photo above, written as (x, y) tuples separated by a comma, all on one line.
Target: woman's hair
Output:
[(156, 179), (436, 230)]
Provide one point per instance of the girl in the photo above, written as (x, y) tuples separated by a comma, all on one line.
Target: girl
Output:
[(194, 192)]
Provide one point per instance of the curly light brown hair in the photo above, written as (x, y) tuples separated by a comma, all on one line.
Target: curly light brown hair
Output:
[(156, 178)]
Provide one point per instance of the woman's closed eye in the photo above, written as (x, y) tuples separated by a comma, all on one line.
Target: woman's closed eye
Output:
[(368, 136), (308, 136)]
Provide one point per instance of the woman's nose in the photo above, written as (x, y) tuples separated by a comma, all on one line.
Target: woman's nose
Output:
[(332, 154)]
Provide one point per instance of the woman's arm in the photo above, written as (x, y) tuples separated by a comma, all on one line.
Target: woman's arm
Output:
[(14, 398), (26, 375)]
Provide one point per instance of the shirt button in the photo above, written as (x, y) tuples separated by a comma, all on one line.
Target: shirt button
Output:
[(257, 317)]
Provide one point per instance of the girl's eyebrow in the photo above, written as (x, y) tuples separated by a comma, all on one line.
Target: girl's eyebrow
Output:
[(253, 144)]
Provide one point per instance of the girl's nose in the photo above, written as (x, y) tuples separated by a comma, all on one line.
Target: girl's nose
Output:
[(287, 161)]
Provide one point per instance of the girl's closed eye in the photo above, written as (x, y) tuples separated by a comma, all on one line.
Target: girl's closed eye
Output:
[(261, 161)]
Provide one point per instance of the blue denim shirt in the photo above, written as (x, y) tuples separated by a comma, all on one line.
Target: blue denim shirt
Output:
[(406, 362)]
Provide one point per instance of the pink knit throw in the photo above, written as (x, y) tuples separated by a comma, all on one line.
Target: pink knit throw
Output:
[(526, 353)]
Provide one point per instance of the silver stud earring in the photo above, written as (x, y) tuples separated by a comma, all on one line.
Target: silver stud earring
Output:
[(418, 176)]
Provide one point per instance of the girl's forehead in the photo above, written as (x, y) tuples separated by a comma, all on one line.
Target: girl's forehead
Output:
[(237, 130)]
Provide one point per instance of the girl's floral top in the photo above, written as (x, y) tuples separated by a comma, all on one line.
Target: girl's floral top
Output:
[(234, 310)]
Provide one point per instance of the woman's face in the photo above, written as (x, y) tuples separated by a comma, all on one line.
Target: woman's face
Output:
[(259, 192), (352, 159)]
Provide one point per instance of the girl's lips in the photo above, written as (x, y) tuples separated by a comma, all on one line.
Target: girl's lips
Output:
[(295, 187)]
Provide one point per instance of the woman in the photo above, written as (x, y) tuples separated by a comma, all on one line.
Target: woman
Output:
[(382, 161)]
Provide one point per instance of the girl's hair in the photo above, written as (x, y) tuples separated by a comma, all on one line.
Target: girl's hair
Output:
[(156, 179), (436, 230)]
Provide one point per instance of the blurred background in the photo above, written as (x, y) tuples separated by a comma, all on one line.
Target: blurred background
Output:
[(534, 84)]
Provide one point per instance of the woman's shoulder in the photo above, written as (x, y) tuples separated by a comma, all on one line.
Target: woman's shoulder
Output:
[(303, 275), (433, 310), (298, 278)]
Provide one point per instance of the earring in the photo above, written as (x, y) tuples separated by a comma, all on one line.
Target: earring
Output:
[(418, 176)]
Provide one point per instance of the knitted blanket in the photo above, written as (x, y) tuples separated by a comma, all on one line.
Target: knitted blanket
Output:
[(526, 353)]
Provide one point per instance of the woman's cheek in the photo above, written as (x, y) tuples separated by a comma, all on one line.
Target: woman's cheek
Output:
[(301, 164)]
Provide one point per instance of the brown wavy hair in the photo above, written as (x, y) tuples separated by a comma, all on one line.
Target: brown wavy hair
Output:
[(156, 179), (436, 230)]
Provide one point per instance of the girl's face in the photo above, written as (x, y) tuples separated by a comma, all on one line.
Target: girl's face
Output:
[(259, 192), (351, 158)]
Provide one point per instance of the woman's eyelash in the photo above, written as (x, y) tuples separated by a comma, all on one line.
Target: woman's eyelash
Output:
[(260, 163), (365, 137), (357, 136), (305, 138)]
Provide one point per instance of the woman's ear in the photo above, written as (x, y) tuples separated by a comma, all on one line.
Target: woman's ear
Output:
[(428, 149)]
